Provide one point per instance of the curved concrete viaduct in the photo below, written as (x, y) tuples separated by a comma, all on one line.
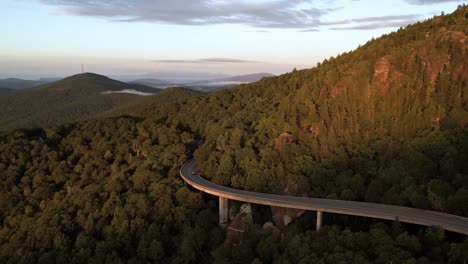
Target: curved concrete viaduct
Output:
[(189, 172)]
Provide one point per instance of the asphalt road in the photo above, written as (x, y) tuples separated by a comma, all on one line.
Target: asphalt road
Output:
[(189, 172)]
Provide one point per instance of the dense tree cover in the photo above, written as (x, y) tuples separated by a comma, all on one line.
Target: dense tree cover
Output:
[(156, 103), (101, 191), (385, 123), (380, 243), (108, 191), (429, 172)]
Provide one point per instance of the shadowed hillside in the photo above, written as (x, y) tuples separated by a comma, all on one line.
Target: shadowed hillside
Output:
[(5, 91), (74, 98), (165, 101)]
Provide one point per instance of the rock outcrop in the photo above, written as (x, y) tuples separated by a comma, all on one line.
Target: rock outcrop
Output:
[(381, 72), (239, 227), (283, 139), (283, 216), (338, 89)]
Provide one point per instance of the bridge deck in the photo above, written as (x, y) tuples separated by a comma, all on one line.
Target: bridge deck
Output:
[(389, 212)]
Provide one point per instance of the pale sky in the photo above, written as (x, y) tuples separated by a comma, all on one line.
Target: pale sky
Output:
[(157, 38)]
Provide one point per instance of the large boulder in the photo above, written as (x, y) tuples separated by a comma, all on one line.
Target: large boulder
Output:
[(283, 216), (282, 140)]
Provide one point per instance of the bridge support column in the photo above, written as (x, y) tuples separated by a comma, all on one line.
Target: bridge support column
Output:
[(319, 220), (223, 211)]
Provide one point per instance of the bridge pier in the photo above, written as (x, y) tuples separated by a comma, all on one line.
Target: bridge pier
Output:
[(223, 211), (319, 220)]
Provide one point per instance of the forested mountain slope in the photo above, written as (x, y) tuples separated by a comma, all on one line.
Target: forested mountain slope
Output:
[(165, 101), (385, 123), (74, 98)]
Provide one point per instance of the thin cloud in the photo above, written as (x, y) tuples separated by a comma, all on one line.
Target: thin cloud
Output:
[(177, 61), (226, 60), (387, 18), (207, 60), (370, 23), (309, 30), (265, 14), (376, 25), (430, 2), (302, 15), (378, 19), (256, 31)]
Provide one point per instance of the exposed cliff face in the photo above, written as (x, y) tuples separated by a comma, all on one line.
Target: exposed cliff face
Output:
[(460, 72), (338, 89), (384, 75), (237, 230), (389, 70), (381, 73)]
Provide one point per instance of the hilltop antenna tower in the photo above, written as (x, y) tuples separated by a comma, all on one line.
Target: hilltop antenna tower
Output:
[(82, 68)]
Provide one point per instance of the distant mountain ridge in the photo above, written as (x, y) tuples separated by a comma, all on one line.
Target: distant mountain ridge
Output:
[(205, 85), (251, 77), (155, 83), (82, 96), (19, 84), (73, 98), (218, 84), (100, 83)]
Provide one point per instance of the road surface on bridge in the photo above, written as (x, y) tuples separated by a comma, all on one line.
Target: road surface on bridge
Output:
[(189, 172)]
